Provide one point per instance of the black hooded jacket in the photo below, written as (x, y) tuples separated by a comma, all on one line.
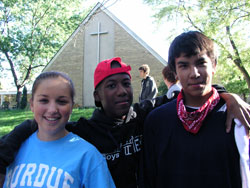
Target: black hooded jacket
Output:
[(119, 141)]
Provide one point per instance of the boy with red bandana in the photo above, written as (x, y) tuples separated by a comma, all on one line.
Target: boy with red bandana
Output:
[(185, 141)]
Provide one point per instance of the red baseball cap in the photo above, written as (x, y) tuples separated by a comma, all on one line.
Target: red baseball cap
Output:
[(103, 69)]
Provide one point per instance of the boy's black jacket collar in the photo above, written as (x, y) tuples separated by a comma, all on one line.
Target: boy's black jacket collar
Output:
[(100, 117)]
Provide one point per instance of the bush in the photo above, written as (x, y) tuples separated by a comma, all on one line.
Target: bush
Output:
[(162, 89)]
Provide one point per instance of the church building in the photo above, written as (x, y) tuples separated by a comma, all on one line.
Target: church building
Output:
[(102, 36)]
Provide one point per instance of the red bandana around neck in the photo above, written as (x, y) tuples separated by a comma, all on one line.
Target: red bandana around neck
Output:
[(192, 121)]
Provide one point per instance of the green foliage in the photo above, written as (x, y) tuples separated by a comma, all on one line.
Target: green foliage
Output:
[(231, 78), (225, 22), (81, 112), (162, 89), (32, 31), (10, 118), (24, 98)]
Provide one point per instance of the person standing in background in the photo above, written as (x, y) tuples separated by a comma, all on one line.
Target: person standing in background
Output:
[(148, 86), (171, 82), (174, 87)]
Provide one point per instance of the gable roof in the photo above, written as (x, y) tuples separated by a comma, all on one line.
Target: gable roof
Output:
[(115, 19)]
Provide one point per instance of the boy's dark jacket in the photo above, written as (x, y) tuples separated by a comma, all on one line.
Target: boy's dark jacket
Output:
[(177, 158), (119, 141), (149, 89)]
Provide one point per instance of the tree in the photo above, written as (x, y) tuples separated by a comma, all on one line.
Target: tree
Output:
[(31, 33), (225, 22), (24, 98)]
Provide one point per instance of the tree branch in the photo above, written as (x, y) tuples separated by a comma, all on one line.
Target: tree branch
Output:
[(28, 72), (237, 60), (243, 16), (191, 21), (12, 68), (36, 23), (41, 41)]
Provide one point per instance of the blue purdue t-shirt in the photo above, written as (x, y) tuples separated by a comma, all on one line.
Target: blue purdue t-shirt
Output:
[(67, 162)]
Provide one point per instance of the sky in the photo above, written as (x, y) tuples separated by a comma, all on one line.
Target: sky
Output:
[(138, 17)]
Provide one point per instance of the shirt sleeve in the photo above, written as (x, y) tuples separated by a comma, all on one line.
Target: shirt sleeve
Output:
[(242, 142), (10, 143), (99, 177), (219, 88)]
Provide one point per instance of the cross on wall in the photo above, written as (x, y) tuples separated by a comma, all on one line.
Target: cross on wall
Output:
[(98, 33)]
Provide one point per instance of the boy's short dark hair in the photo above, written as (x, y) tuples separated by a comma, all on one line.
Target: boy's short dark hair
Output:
[(169, 75), (145, 68), (191, 43)]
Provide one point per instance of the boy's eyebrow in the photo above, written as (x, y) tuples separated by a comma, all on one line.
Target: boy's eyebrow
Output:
[(114, 80), (126, 79), (201, 59), (111, 80), (198, 60), (182, 62)]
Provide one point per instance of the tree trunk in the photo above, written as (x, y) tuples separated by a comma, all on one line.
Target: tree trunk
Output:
[(18, 97), (237, 61)]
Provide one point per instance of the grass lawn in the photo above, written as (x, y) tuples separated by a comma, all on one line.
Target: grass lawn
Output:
[(10, 118)]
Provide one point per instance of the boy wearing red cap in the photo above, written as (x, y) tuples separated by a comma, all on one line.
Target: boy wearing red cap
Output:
[(115, 129)]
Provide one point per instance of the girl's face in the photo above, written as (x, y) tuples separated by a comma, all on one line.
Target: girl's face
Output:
[(52, 106)]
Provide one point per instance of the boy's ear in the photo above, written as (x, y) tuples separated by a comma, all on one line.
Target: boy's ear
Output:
[(176, 77), (214, 68), (96, 96)]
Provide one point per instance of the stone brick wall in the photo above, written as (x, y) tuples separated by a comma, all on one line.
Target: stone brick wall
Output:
[(134, 54), (70, 61)]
